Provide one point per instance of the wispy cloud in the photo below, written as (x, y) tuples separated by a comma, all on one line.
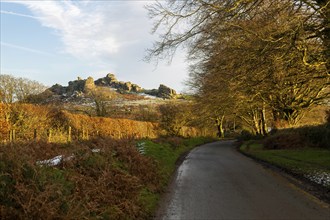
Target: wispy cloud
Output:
[(24, 48), (17, 14)]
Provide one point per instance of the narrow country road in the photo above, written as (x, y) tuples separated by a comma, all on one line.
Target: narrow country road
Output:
[(217, 182)]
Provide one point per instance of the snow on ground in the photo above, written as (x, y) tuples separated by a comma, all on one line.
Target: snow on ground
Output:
[(141, 147), (60, 158), (149, 96), (319, 177)]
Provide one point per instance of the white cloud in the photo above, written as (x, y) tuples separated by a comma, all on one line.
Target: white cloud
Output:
[(83, 27)]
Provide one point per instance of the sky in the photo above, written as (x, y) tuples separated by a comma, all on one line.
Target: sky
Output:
[(57, 41)]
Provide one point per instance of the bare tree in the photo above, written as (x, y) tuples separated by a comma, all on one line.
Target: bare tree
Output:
[(7, 89), (18, 89)]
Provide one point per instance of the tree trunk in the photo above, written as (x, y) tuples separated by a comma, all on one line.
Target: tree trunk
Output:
[(256, 121), (263, 120), (219, 123)]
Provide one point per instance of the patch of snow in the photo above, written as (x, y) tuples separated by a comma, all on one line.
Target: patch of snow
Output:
[(148, 96), (51, 162), (59, 159), (141, 147), (319, 177)]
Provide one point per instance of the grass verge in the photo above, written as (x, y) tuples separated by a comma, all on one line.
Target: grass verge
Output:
[(312, 164)]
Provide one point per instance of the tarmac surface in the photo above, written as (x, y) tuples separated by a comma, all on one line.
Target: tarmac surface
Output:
[(217, 182)]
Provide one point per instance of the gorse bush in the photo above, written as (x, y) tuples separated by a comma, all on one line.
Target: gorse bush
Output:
[(100, 178)]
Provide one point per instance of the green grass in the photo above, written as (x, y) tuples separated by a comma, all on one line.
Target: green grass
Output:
[(305, 161), (149, 200)]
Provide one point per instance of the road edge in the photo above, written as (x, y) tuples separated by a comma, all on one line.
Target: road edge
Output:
[(165, 196)]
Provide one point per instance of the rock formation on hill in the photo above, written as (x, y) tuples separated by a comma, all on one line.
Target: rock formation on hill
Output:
[(87, 85), (166, 92), (111, 81), (79, 85)]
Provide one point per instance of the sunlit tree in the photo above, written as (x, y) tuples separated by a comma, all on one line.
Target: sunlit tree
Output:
[(250, 55)]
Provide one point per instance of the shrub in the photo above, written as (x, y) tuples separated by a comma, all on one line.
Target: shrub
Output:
[(284, 141), (316, 136), (246, 135), (311, 136)]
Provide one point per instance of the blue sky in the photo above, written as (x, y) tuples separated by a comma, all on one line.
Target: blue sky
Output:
[(57, 41)]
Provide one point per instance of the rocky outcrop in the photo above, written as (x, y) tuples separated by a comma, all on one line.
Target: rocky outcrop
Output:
[(136, 88), (80, 86), (58, 89), (89, 84), (111, 77), (162, 92), (166, 92), (111, 81)]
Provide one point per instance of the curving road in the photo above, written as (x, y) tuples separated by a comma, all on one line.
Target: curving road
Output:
[(217, 182)]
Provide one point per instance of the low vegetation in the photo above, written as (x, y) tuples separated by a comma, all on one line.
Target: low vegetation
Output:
[(55, 164), (86, 184), (100, 178)]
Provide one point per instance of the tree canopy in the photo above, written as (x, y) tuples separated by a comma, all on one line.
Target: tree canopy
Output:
[(251, 56)]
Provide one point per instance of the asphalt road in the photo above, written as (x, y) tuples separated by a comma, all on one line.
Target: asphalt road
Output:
[(217, 182)]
